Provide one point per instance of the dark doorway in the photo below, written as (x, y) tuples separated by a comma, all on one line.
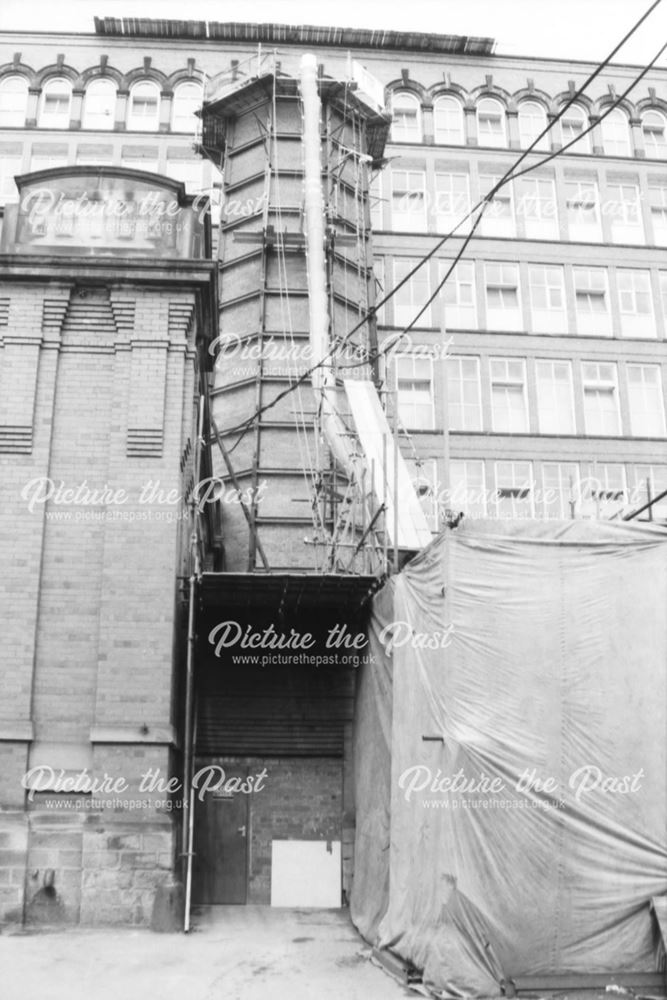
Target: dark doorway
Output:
[(221, 845)]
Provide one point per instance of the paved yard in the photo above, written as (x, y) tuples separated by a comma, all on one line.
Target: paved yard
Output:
[(239, 953)]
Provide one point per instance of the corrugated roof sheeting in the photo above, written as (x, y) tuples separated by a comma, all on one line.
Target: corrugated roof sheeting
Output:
[(294, 34)]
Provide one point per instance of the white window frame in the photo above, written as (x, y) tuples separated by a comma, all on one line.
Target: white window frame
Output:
[(376, 201), (603, 490), (506, 380), (463, 415), (147, 163), (408, 201), (518, 487), (635, 303), (532, 121), (406, 126), (490, 111), (451, 205), (13, 101), (583, 196), (547, 281), (104, 119), (592, 380), (48, 118), (183, 118), (451, 110), (591, 286), (459, 295), (462, 495), (409, 300), (575, 114), (566, 488), (503, 277), (424, 477), (658, 204), (639, 423), (190, 172), (615, 133), (538, 208), (654, 130), (498, 218), (10, 167), (558, 417), (143, 122), (639, 492), (412, 361), (47, 160), (662, 282), (625, 212)]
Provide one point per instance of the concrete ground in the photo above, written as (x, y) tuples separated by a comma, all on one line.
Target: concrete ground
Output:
[(233, 953)]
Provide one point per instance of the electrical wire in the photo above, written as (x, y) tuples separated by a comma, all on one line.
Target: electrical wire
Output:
[(245, 426)]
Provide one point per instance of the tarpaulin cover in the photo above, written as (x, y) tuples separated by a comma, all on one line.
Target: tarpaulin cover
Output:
[(511, 764)]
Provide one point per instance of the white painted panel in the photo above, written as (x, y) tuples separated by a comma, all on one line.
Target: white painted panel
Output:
[(372, 428), (306, 873)]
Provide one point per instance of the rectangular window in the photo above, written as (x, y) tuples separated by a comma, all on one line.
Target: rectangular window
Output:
[(414, 388), (376, 202), (663, 294), (560, 485), (140, 158), (408, 201), (452, 202), (636, 308), (94, 156), (603, 491), (467, 488), (44, 158), (555, 401), (508, 395), (464, 396), (514, 489), (538, 208), (498, 218), (458, 294), (412, 296), (624, 211), (592, 301), (424, 476), (10, 167), (647, 410), (547, 298), (503, 305), (647, 482), (190, 172), (583, 211), (601, 413), (657, 196)]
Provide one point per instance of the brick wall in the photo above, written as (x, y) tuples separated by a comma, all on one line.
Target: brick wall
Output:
[(97, 389)]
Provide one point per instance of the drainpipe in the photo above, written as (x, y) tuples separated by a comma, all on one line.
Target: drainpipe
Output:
[(195, 573)]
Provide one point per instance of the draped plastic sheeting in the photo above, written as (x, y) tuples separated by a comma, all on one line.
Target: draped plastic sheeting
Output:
[(511, 755)]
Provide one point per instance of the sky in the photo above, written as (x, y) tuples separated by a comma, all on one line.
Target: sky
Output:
[(575, 29)]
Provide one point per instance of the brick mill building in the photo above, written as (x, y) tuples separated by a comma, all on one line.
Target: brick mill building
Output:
[(140, 337)]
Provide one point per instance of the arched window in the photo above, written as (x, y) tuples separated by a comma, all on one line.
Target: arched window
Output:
[(654, 128), (573, 123), (616, 134), (406, 123), (55, 104), (143, 111), (13, 100), (99, 105), (187, 100), (532, 121), (448, 121), (491, 123)]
